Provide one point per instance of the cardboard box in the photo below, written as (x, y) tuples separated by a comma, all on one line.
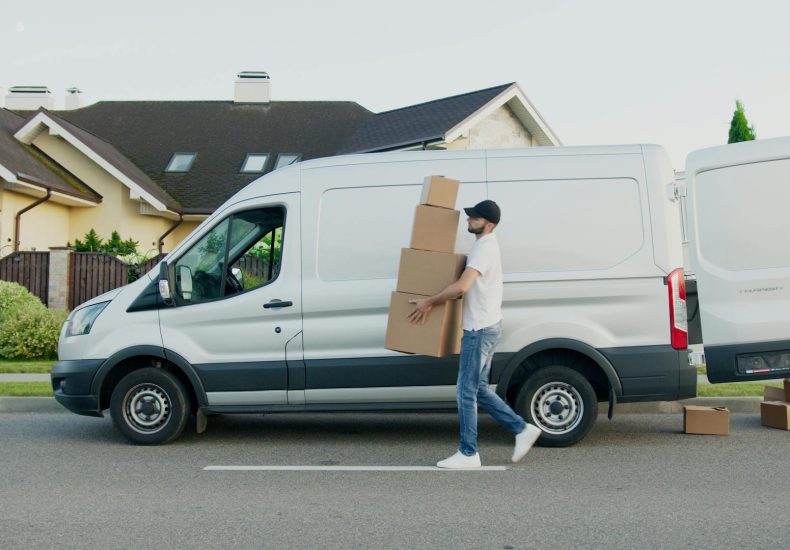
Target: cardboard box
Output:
[(439, 336), (787, 389), (428, 273), (706, 420), (434, 229), (440, 191), (775, 414), (771, 393)]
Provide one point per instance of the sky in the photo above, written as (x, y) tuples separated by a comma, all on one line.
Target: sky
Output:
[(599, 72)]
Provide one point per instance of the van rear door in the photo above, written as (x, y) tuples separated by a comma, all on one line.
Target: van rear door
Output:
[(738, 199)]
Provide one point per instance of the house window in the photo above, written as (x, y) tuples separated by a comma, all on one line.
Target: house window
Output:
[(285, 159), (180, 162), (254, 163)]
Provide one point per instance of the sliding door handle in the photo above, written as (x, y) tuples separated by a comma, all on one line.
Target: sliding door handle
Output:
[(277, 304)]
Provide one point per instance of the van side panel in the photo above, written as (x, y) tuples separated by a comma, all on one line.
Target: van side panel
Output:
[(356, 221)]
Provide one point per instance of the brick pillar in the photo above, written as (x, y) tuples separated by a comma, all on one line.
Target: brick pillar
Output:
[(59, 286)]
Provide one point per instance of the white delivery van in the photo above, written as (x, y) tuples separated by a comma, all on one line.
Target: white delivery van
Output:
[(278, 301)]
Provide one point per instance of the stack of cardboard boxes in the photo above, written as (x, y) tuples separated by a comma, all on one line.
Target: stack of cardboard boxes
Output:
[(775, 408), (426, 268)]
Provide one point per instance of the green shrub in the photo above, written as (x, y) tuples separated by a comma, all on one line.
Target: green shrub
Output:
[(31, 333), (14, 297)]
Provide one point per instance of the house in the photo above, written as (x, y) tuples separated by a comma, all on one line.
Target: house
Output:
[(153, 170)]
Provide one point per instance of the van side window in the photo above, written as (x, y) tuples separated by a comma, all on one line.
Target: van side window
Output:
[(239, 254)]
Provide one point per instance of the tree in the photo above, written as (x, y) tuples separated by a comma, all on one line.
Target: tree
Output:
[(739, 127)]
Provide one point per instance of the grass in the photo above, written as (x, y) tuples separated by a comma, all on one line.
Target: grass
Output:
[(39, 366), (702, 370), (26, 389), (734, 389)]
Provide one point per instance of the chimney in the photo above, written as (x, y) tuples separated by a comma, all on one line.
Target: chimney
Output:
[(73, 99), (253, 87), (28, 98)]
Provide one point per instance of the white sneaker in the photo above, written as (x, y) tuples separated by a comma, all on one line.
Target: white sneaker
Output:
[(524, 442), (459, 461)]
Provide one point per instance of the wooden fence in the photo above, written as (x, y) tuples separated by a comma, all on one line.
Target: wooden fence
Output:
[(29, 269), (94, 273)]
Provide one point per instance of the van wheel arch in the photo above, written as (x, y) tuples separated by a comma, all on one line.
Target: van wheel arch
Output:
[(140, 357), (571, 353)]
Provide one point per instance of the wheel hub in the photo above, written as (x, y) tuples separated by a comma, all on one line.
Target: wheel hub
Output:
[(557, 407), (147, 408)]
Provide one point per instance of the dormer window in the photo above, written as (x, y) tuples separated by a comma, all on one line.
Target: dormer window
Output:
[(254, 163), (180, 162), (285, 159)]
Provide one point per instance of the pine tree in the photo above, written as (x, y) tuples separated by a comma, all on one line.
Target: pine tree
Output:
[(739, 127)]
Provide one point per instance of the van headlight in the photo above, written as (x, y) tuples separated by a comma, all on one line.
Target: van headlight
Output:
[(81, 321)]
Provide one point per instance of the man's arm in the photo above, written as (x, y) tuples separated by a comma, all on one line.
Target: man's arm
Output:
[(422, 307)]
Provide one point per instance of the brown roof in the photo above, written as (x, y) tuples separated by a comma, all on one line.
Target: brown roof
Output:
[(222, 133), (31, 166), (108, 152)]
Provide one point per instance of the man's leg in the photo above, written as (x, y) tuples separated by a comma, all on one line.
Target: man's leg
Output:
[(466, 390), (526, 434), (466, 396), (490, 401)]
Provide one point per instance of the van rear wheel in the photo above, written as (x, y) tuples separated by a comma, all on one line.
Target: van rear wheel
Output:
[(559, 401), (149, 407)]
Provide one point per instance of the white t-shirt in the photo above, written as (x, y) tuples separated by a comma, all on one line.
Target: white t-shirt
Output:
[(483, 301)]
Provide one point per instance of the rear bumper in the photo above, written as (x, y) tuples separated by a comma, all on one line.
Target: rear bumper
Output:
[(748, 362), (71, 385), (653, 373)]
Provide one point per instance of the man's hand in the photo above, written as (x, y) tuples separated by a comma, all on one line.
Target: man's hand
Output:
[(422, 307)]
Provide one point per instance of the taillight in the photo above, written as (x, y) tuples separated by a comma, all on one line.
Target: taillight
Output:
[(678, 324)]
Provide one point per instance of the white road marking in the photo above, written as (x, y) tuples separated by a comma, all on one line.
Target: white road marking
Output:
[(350, 469)]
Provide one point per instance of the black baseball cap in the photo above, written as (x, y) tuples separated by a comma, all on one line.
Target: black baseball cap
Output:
[(486, 209)]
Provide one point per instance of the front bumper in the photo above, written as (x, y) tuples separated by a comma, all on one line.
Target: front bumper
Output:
[(71, 384)]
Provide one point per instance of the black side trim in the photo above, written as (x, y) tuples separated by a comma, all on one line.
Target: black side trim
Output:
[(148, 299), (252, 376), (723, 363), (245, 409), (381, 372), (559, 343)]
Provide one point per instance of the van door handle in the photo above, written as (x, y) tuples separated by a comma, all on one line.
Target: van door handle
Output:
[(278, 303)]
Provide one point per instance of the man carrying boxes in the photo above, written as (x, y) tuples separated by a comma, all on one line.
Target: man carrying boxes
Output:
[(481, 285)]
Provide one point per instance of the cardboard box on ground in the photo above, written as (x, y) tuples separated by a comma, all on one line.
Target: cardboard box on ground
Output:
[(706, 420), (775, 408), (426, 269)]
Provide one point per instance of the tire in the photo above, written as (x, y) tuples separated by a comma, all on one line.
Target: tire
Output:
[(559, 401), (149, 407)]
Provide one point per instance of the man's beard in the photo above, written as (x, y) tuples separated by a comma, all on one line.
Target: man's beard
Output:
[(476, 231)]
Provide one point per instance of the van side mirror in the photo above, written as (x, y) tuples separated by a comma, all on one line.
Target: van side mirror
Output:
[(164, 285), (185, 282), (239, 275)]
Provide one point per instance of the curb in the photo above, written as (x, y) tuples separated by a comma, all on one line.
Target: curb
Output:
[(735, 404)]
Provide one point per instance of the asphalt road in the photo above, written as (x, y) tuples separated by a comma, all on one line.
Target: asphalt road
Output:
[(635, 482)]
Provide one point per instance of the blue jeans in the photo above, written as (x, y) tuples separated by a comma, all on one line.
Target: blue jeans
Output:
[(477, 351)]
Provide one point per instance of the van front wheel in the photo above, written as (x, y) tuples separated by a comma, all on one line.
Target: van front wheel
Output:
[(559, 401), (149, 407)]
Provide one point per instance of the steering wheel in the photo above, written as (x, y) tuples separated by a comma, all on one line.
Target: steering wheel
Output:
[(232, 284)]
